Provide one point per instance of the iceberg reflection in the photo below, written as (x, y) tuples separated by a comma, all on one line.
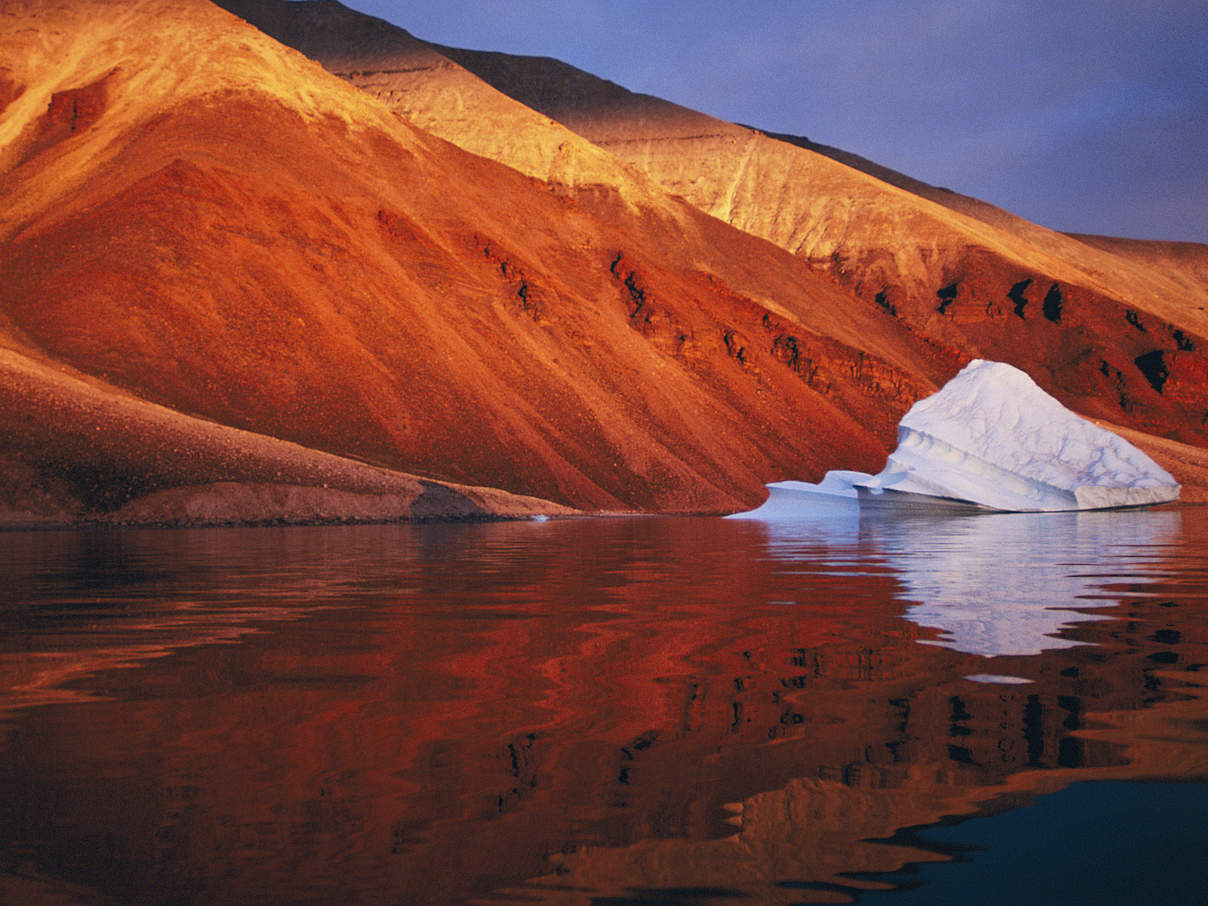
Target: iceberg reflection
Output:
[(992, 584), (1008, 584)]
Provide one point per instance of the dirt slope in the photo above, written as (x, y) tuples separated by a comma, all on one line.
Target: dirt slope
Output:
[(202, 219), (428, 89)]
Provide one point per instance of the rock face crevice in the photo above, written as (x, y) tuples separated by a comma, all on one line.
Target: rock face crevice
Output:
[(946, 295), (70, 112), (1051, 306), (1154, 366), (524, 295), (1017, 297), (883, 302), (657, 324), (735, 348)]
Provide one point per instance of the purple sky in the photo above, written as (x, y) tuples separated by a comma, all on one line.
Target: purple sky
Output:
[(1083, 117)]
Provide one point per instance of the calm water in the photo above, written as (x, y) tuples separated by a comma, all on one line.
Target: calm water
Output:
[(877, 709)]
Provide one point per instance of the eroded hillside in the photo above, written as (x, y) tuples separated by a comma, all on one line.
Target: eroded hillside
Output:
[(198, 218), (1115, 334)]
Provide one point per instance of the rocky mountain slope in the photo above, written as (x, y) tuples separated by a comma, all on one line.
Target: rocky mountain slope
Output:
[(1115, 333), (198, 219), (1120, 336), (1113, 328), (78, 450)]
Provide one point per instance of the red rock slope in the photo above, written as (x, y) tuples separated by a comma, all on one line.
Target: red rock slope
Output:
[(1114, 332), (1113, 328), (196, 217)]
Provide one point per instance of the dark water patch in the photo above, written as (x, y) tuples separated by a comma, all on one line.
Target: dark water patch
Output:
[(1076, 846)]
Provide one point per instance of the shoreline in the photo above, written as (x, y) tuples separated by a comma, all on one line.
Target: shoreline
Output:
[(103, 522)]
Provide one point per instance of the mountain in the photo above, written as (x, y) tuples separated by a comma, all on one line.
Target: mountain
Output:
[(1113, 328), (208, 230), (1115, 334), (1111, 334), (426, 88), (75, 449), (95, 209)]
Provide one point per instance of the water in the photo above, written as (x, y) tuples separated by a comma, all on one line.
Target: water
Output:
[(876, 709)]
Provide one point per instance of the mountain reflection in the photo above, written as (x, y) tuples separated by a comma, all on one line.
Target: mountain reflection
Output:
[(671, 710)]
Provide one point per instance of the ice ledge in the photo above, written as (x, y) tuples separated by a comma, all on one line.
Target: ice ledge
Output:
[(991, 438)]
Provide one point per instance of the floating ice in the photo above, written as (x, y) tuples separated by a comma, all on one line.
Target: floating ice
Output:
[(1000, 679), (795, 501), (991, 438)]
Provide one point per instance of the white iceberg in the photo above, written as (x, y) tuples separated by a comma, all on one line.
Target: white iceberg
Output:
[(993, 439)]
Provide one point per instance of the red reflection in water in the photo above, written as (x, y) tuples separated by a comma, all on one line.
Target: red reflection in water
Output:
[(400, 714)]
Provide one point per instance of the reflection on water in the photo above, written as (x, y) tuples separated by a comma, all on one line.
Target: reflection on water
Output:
[(1007, 583), (75, 603), (993, 583), (629, 710)]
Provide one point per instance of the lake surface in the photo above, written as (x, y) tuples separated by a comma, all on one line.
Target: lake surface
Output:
[(865, 707)]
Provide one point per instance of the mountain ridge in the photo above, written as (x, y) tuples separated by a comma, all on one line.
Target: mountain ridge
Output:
[(301, 263), (1115, 337), (955, 269)]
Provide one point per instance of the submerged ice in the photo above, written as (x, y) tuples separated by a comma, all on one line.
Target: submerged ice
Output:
[(992, 438)]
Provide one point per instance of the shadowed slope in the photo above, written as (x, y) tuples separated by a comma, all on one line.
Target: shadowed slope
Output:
[(438, 95), (208, 221)]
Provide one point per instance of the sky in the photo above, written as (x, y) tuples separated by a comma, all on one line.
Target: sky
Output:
[(1083, 117)]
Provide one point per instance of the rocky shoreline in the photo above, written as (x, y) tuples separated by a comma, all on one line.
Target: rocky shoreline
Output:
[(84, 453)]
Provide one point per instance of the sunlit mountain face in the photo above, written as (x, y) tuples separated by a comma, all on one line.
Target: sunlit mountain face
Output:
[(1099, 321), (495, 272), (204, 220)]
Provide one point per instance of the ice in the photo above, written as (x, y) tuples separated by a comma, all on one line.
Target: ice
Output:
[(992, 438), (798, 500)]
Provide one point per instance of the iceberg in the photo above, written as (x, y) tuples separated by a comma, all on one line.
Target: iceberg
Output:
[(992, 439)]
